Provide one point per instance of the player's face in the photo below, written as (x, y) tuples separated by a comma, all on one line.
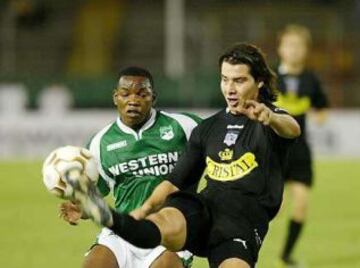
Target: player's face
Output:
[(293, 49), (237, 85), (134, 99)]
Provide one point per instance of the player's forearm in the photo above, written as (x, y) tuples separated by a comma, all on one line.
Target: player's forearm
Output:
[(158, 197), (284, 125)]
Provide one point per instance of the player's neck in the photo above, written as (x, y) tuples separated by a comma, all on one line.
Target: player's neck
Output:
[(292, 69)]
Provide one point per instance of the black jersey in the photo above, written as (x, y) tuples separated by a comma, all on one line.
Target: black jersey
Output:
[(238, 155), (300, 93)]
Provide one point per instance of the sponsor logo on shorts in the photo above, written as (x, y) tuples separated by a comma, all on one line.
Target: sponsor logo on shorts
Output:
[(243, 242), (257, 238)]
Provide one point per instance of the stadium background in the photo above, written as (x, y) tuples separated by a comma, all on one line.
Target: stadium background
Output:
[(58, 66)]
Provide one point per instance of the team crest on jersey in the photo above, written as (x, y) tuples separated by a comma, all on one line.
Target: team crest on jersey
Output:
[(227, 154), (166, 133), (231, 137)]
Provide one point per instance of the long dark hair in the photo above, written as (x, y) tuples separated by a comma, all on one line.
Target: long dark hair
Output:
[(252, 56)]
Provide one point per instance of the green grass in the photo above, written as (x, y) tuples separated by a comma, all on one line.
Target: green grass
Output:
[(32, 236)]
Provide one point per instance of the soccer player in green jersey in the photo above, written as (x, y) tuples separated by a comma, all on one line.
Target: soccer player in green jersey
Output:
[(135, 154)]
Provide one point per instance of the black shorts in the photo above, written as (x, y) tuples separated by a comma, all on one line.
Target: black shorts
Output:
[(214, 233), (198, 220), (299, 163)]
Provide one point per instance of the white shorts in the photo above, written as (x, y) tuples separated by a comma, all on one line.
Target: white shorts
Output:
[(129, 256)]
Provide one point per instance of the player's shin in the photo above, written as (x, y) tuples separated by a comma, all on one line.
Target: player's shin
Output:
[(140, 233)]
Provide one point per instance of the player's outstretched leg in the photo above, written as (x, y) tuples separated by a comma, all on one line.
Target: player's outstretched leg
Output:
[(86, 192), (166, 227)]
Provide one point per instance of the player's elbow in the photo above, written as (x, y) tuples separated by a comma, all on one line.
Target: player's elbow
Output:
[(286, 126), (295, 130)]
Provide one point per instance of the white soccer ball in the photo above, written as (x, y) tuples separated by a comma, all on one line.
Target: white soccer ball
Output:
[(63, 160)]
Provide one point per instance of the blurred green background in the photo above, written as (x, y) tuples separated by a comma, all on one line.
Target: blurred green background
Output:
[(82, 44)]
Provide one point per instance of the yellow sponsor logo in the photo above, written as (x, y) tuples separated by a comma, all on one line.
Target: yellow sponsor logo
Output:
[(294, 104), (231, 171)]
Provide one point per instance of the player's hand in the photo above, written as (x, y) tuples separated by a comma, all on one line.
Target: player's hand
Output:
[(256, 111), (70, 212)]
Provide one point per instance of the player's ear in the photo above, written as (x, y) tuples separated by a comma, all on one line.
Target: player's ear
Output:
[(115, 96), (154, 98), (260, 84)]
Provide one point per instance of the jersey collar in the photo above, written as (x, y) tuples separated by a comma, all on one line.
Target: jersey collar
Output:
[(138, 134)]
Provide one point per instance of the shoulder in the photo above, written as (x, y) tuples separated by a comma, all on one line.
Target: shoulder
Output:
[(95, 141), (275, 108), (193, 116), (181, 117), (206, 124), (186, 122)]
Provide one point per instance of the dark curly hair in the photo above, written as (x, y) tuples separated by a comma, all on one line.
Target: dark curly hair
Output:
[(252, 56), (137, 71)]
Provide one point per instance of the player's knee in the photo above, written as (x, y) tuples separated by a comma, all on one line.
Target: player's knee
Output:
[(100, 257), (167, 259), (172, 226), (234, 263), (300, 210), (301, 200)]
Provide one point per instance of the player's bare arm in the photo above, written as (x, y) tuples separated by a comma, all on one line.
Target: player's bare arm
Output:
[(284, 125), (155, 201)]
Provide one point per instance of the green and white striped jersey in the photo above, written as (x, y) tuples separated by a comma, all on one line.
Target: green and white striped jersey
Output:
[(132, 163)]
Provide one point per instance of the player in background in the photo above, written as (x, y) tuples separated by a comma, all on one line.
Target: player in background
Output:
[(241, 149), (135, 154), (300, 91)]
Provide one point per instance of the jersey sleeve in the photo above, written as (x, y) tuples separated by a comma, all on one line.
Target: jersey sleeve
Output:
[(275, 138), (101, 183), (187, 121), (318, 98), (191, 164), (194, 117), (103, 187), (276, 109)]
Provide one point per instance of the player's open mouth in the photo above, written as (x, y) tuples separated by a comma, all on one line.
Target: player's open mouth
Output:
[(233, 101), (133, 113)]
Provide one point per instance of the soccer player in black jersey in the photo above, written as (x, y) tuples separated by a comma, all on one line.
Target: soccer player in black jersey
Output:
[(300, 90), (242, 150)]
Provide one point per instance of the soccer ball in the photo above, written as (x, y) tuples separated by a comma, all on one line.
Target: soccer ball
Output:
[(64, 160)]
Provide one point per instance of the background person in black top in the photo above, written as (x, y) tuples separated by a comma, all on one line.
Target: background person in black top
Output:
[(243, 149), (300, 90)]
